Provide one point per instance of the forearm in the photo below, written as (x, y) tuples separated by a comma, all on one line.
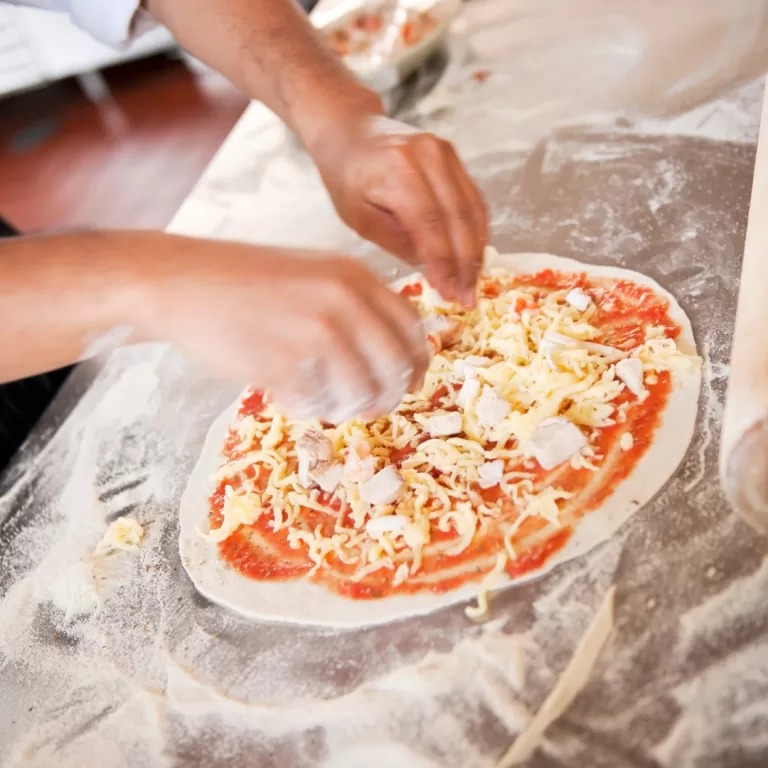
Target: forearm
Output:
[(270, 50), (59, 294)]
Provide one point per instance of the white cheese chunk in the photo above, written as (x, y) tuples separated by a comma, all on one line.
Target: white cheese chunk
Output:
[(432, 298), (327, 474), (491, 473), (386, 524), (311, 448), (626, 442), (444, 424), (466, 367), (630, 371), (470, 389), (577, 299), (440, 329), (435, 324), (604, 350), (359, 466), (491, 409), (555, 441), (384, 487), (552, 341)]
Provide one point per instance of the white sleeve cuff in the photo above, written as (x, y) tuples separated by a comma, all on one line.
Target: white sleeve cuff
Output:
[(114, 22)]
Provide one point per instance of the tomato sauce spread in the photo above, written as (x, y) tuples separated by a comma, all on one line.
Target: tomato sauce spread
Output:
[(623, 310)]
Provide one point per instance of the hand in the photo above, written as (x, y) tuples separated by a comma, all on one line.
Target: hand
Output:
[(408, 192), (321, 332)]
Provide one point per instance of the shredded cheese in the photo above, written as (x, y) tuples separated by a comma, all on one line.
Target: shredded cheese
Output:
[(522, 357)]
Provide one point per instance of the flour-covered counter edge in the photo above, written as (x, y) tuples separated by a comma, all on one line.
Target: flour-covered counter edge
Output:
[(302, 602)]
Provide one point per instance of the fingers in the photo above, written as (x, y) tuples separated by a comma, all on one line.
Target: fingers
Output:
[(463, 209), (409, 196), (365, 350), (439, 207), (407, 333), (389, 332), (478, 216)]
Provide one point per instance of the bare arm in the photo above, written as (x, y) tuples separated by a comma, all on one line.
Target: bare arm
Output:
[(270, 50), (407, 191), (59, 294)]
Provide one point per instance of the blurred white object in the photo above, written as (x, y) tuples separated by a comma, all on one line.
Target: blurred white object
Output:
[(388, 61), (38, 47)]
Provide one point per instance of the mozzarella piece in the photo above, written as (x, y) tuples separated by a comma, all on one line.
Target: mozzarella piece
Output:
[(444, 424), (630, 371), (435, 324), (577, 299), (386, 524), (384, 487), (327, 474), (552, 341), (491, 473), (555, 441), (468, 392), (626, 442), (466, 367), (491, 409), (440, 329), (359, 466), (311, 448)]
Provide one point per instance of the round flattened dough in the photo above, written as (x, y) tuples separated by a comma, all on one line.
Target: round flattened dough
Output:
[(301, 602)]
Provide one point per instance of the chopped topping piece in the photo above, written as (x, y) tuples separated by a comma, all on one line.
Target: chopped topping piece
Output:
[(359, 466), (444, 424), (552, 341), (626, 442), (491, 409), (440, 330), (386, 524), (466, 367), (555, 441), (630, 371), (435, 324), (468, 392), (491, 473), (312, 447), (577, 299), (327, 474), (384, 487)]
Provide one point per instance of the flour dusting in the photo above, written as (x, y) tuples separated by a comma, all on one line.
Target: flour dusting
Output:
[(119, 657)]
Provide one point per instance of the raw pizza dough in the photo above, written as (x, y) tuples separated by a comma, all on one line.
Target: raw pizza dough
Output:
[(302, 602)]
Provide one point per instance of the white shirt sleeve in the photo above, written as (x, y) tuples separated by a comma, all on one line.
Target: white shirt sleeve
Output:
[(114, 22)]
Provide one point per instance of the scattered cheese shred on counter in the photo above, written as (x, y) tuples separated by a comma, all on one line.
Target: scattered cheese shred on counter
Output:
[(123, 534), (492, 580), (517, 392)]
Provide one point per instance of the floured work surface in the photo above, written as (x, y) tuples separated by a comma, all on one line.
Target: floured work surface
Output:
[(158, 676)]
